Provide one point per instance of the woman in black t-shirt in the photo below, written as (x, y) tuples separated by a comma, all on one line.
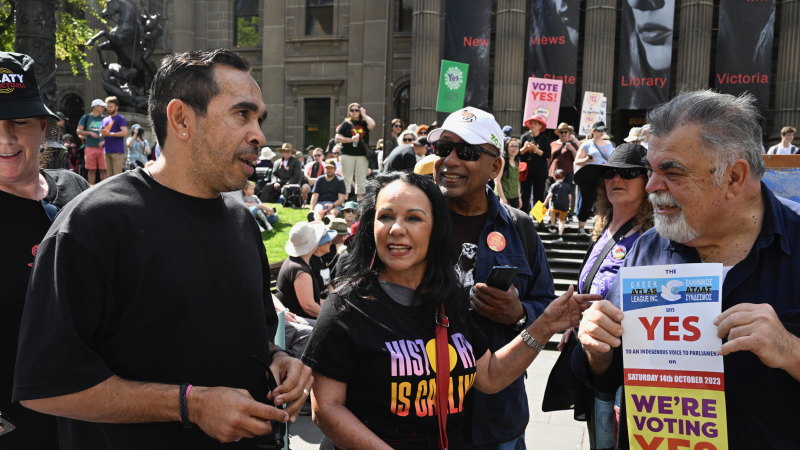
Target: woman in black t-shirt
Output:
[(299, 286), (353, 134), (373, 347)]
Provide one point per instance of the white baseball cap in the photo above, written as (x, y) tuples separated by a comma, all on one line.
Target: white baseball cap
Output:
[(473, 126), (98, 102)]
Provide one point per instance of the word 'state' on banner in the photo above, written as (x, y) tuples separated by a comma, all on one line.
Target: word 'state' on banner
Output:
[(674, 377)]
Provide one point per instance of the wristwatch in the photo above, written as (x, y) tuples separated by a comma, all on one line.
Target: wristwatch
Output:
[(520, 324)]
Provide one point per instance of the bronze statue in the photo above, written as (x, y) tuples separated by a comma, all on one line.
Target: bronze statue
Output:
[(133, 41)]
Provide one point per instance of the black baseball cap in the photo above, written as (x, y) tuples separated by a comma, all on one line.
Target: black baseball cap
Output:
[(421, 141), (19, 91)]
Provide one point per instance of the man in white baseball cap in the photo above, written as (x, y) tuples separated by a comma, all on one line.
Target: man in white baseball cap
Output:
[(469, 144), (89, 130)]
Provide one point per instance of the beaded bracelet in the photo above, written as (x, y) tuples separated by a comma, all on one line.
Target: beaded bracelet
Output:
[(183, 395)]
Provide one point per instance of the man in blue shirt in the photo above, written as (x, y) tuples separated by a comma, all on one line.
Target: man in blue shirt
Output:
[(711, 206), (487, 234)]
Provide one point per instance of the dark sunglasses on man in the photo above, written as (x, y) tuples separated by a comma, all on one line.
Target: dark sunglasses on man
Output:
[(464, 151), (629, 173)]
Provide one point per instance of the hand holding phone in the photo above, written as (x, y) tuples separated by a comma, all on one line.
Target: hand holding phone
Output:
[(278, 428), (501, 277)]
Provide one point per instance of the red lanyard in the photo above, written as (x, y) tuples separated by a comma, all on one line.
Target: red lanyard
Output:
[(442, 376)]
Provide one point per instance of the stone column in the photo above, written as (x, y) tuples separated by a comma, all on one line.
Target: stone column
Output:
[(694, 46), (598, 52), (182, 24), (375, 54), (426, 52), (273, 75), (787, 78), (94, 89), (509, 60), (36, 37)]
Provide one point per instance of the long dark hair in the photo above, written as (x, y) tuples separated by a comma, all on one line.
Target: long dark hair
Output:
[(508, 158), (361, 266)]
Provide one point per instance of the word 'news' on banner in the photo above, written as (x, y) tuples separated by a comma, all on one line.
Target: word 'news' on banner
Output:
[(452, 86), (543, 98), (674, 378)]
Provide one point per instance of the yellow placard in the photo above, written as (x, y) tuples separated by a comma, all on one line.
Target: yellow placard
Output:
[(538, 211), (660, 418)]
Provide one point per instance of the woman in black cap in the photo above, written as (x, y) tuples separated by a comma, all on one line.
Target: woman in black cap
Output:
[(30, 197), (623, 214)]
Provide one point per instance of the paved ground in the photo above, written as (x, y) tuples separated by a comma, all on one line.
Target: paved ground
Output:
[(551, 431)]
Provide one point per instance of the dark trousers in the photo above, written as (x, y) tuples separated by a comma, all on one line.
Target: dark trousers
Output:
[(537, 186), (588, 197)]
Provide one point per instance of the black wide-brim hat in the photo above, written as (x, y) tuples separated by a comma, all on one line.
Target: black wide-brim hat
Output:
[(19, 91), (625, 156)]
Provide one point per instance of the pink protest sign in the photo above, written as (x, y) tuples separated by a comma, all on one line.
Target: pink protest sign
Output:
[(543, 98)]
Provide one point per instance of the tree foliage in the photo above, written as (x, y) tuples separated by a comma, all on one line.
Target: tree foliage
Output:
[(72, 30)]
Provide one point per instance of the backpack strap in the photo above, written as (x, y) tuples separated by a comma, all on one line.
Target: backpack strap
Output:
[(524, 226)]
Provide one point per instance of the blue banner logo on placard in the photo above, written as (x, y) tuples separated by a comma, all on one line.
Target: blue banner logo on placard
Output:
[(647, 292)]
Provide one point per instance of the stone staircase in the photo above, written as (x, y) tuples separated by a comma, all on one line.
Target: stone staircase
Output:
[(565, 257)]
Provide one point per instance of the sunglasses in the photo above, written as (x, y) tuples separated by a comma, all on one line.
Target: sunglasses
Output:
[(355, 110), (408, 140), (317, 156), (464, 151), (397, 125), (337, 153), (626, 174)]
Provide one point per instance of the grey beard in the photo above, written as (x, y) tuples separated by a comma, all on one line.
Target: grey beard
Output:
[(674, 228)]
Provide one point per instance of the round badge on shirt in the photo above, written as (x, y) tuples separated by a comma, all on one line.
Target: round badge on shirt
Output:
[(619, 252), (496, 241)]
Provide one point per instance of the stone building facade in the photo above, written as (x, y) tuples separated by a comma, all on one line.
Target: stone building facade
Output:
[(314, 57)]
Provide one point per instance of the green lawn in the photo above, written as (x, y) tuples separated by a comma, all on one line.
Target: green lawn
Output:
[(275, 240)]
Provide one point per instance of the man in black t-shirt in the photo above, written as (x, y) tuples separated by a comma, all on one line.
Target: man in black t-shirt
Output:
[(487, 234), (29, 199), (124, 343)]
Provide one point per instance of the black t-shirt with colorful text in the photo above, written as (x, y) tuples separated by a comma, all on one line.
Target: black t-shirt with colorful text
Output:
[(350, 128), (385, 353)]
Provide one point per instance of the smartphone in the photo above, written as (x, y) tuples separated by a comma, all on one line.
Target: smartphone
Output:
[(274, 440), (501, 277), (278, 428), (5, 424)]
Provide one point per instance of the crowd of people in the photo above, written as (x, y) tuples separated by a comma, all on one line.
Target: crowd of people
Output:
[(139, 312)]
